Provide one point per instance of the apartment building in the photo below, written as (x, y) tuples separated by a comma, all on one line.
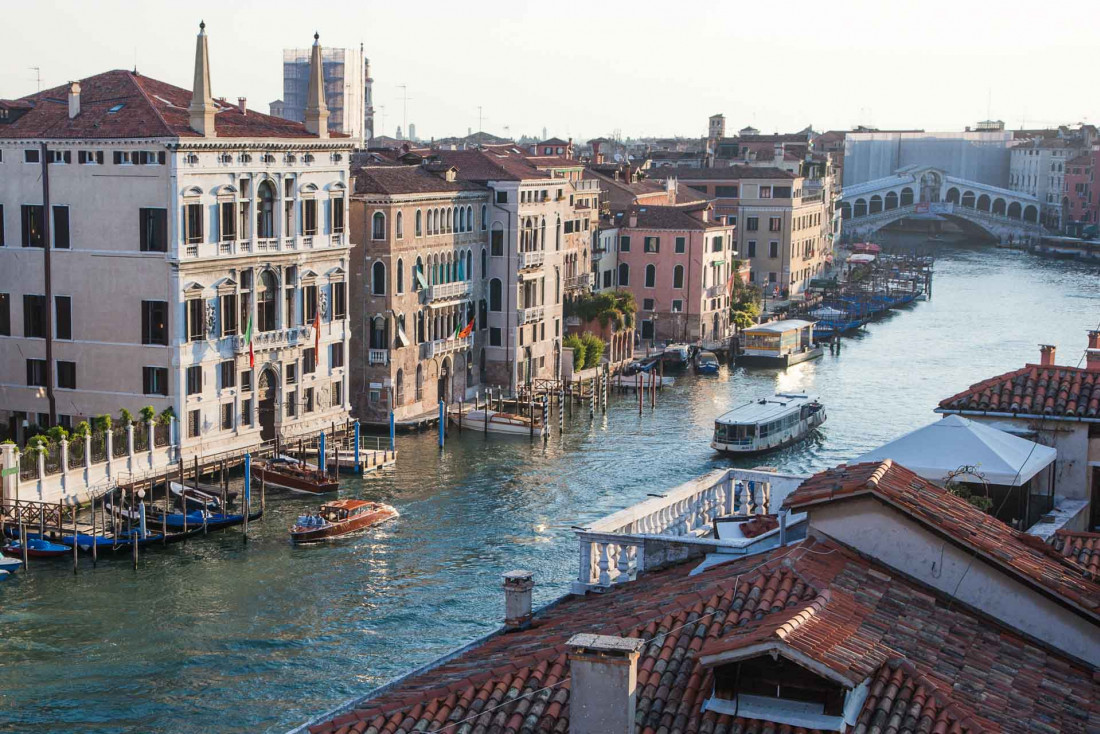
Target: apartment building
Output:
[(418, 295), (175, 227), (347, 85)]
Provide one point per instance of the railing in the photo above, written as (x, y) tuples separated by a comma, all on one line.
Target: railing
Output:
[(245, 246), (307, 242), (99, 447), (161, 434), (28, 465), (119, 444), (52, 464), (268, 244), (191, 250), (228, 247), (445, 346), (337, 239), (531, 259), (584, 280), (141, 437), (529, 315), (378, 356), (76, 452), (289, 243), (676, 525), (714, 291), (289, 337), (442, 291)]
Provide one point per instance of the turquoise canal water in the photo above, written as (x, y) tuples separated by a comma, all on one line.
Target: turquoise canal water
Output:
[(221, 636)]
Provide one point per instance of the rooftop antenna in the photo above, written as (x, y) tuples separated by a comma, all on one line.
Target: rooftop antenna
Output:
[(37, 76)]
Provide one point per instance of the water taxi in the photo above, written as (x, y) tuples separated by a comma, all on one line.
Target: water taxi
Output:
[(706, 363), (767, 424), (509, 423), (297, 476), (339, 518), (779, 344)]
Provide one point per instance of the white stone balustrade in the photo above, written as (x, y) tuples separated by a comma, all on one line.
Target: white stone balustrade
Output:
[(529, 315), (533, 259), (443, 291), (289, 337), (378, 356)]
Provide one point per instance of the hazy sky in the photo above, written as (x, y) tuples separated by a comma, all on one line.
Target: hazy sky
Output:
[(586, 69)]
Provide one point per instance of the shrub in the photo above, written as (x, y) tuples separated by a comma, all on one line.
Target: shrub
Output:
[(125, 417), (37, 444), (574, 342), (101, 423), (610, 308), (57, 434), (148, 413), (166, 416), (82, 429), (593, 349)]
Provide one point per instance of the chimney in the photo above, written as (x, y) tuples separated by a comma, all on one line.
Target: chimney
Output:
[(1046, 355), (316, 110), (603, 690), (633, 219), (242, 105), (201, 112), (670, 190), (74, 100), (517, 599), (1092, 354)]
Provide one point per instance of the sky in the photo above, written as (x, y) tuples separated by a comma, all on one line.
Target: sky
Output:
[(595, 68)]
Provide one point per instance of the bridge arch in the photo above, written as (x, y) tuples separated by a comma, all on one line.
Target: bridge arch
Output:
[(891, 200), (1031, 213), (876, 204), (999, 206), (967, 199), (860, 209), (906, 196), (984, 203), (1015, 211), (952, 196)]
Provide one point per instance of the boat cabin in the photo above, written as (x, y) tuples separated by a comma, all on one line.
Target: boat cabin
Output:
[(779, 338), (341, 510)]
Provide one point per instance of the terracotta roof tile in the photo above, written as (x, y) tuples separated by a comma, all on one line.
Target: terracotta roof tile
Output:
[(729, 173), (396, 180), (1068, 392), (1084, 548)]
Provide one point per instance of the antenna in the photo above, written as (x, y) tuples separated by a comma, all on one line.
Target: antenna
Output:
[(479, 118), (37, 76)]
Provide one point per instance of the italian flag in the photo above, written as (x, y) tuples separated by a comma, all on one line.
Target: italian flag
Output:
[(248, 338)]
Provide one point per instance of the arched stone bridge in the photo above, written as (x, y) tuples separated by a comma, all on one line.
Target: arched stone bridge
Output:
[(929, 193)]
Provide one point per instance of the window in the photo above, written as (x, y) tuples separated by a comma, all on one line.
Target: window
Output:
[(61, 227), (227, 222), (484, 217), (726, 192), (781, 192), (5, 314), (752, 224), (246, 412), (154, 322), (194, 422), (624, 243), (775, 224), (340, 301), (765, 192), (227, 374), (194, 380), (652, 244), (419, 223), (378, 226), (153, 230), (502, 197), (309, 361), (196, 319), (193, 223), (716, 244), (266, 299), (773, 249), (30, 155), (63, 317), (681, 245), (227, 416), (34, 317), (36, 372), (678, 276), (647, 304), (154, 380), (291, 373), (292, 403), (772, 277), (309, 216), (336, 355), (66, 375), (399, 226), (31, 220), (494, 336), (309, 298), (338, 216), (624, 274), (229, 314), (246, 381), (651, 276), (337, 394), (307, 400), (677, 306), (752, 248), (496, 241), (378, 278), (90, 157), (495, 295)]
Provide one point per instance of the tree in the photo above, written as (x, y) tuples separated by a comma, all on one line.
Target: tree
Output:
[(593, 349), (574, 342), (611, 308)]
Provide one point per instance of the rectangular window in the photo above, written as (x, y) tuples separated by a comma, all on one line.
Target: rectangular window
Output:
[(196, 320), (153, 230), (752, 224), (652, 244), (624, 243), (229, 314), (61, 227), (5, 314), (681, 245), (337, 394), (194, 422), (781, 192), (309, 295), (496, 243), (154, 322), (772, 278), (194, 380), (336, 356), (193, 223), (677, 306), (647, 304), (775, 224), (36, 372), (502, 197), (307, 400), (338, 215), (773, 249), (309, 216), (292, 403), (291, 373), (339, 301), (752, 248), (726, 192), (32, 224), (227, 416), (66, 375), (309, 361), (246, 412), (228, 374), (607, 279), (90, 157), (155, 380), (765, 192), (63, 311), (34, 317), (246, 381), (30, 155), (227, 223), (494, 336)]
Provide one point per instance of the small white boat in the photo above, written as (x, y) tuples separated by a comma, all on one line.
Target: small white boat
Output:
[(10, 565), (509, 423), (767, 424), (644, 379)]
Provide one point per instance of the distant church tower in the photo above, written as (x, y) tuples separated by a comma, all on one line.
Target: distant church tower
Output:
[(717, 129), (368, 101)]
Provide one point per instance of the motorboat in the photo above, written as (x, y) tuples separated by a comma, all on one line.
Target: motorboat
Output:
[(10, 565), (499, 422), (706, 363), (643, 380), (339, 518), (295, 475), (767, 424), (676, 355), (36, 548)]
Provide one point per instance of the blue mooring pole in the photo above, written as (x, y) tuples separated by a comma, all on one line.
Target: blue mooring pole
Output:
[(247, 481), (393, 444), (321, 452), (358, 465), (442, 424)]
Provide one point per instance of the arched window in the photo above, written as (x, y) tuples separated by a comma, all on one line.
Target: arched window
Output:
[(495, 294), (399, 382), (484, 262), (484, 218), (399, 226), (450, 220), (419, 382), (651, 276), (400, 276), (266, 300), (378, 226), (678, 276), (542, 234), (469, 219), (419, 327), (469, 265), (624, 274), (876, 205), (845, 210), (557, 234), (265, 224), (906, 196), (860, 209), (419, 223), (891, 200), (378, 278)]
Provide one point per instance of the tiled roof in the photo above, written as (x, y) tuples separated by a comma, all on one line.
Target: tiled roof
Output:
[(1084, 548), (729, 173), (931, 666), (666, 217), (553, 161), (149, 109), (553, 141), (495, 164), (1019, 554), (396, 180), (1067, 392)]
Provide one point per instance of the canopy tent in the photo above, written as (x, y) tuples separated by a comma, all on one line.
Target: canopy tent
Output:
[(861, 259), (940, 448)]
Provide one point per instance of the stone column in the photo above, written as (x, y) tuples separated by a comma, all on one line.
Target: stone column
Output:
[(9, 459), (150, 429)]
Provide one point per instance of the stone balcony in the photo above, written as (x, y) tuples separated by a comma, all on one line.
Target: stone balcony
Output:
[(446, 291), (445, 346), (378, 357), (288, 337), (529, 315), (531, 259), (577, 282), (256, 245), (715, 291)]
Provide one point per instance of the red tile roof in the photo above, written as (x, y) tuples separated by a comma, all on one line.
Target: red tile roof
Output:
[(931, 666), (494, 164), (675, 218), (728, 173), (396, 180), (1084, 548), (1067, 392), (149, 109), (1019, 554)]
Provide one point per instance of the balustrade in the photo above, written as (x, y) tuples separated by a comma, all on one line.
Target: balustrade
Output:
[(378, 356), (529, 315), (288, 337), (533, 259)]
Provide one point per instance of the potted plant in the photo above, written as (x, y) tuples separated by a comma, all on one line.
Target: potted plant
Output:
[(148, 413), (102, 423), (125, 417)]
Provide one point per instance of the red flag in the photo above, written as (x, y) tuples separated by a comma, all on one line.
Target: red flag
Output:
[(317, 332), (467, 331)]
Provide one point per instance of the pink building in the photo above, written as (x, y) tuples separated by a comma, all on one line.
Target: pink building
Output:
[(1081, 195)]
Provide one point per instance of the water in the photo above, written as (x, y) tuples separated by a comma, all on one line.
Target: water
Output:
[(220, 636)]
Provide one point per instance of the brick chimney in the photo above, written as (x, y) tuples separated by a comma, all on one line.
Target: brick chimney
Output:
[(242, 105), (1046, 355), (603, 691), (633, 219), (74, 100), (517, 599), (1092, 354)]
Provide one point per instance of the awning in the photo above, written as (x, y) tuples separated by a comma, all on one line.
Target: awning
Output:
[(401, 338), (420, 279)]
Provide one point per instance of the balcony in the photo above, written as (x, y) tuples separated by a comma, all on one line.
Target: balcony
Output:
[(336, 240), (578, 282), (268, 244), (289, 243), (714, 291), (290, 337), (447, 291), (378, 356), (531, 259), (445, 346), (529, 315)]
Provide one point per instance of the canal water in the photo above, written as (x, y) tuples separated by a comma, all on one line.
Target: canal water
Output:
[(220, 635)]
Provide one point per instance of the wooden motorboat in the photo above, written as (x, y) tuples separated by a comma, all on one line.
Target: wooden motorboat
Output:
[(36, 548), (297, 476), (508, 423), (339, 518)]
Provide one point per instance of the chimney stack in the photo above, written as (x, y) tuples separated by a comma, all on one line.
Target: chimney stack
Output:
[(316, 117), (517, 599), (633, 219), (202, 110), (1046, 355), (74, 100), (242, 105), (1092, 354), (603, 691)]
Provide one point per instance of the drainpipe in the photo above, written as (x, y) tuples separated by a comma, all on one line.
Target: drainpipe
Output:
[(48, 246)]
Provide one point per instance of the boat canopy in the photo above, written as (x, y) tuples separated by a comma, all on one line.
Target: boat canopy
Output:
[(778, 327), (766, 410)]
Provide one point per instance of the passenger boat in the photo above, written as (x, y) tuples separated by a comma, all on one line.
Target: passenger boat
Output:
[(767, 424), (297, 476), (509, 423), (706, 363), (202, 497), (779, 344), (339, 518), (643, 379), (36, 548)]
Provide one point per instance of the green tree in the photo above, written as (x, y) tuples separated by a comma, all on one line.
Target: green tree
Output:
[(574, 342), (148, 413), (593, 349)]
